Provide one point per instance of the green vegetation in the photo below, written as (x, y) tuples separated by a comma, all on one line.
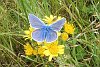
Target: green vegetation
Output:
[(81, 50)]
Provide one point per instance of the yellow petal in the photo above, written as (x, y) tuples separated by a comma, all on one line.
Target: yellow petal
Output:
[(58, 33), (50, 57), (31, 29), (51, 16), (46, 17), (55, 55), (46, 52), (45, 43), (61, 51), (39, 43), (27, 32), (55, 42), (61, 46)]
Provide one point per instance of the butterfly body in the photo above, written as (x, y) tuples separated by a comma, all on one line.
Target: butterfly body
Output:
[(47, 28), (43, 31)]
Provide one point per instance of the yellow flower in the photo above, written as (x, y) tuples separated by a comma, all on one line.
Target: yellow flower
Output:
[(28, 33), (52, 50), (51, 19), (29, 50), (41, 49), (69, 28), (64, 36), (35, 52)]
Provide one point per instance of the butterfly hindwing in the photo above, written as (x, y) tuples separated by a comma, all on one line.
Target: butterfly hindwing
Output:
[(35, 21), (57, 26), (51, 36), (38, 35)]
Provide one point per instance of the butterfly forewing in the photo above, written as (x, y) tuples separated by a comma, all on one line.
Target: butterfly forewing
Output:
[(57, 26), (35, 21)]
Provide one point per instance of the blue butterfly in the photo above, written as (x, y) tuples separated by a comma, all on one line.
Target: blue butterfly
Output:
[(45, 32)]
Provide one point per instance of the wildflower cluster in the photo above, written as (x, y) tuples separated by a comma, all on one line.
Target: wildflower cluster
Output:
[(68, 29), (52, 49)]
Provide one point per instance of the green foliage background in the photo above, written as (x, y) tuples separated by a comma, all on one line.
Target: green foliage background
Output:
[(84, 14)]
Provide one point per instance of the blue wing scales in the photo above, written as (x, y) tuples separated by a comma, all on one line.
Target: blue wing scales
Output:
[(57, 26), (38, 35), (51, 36), (35, 21)]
